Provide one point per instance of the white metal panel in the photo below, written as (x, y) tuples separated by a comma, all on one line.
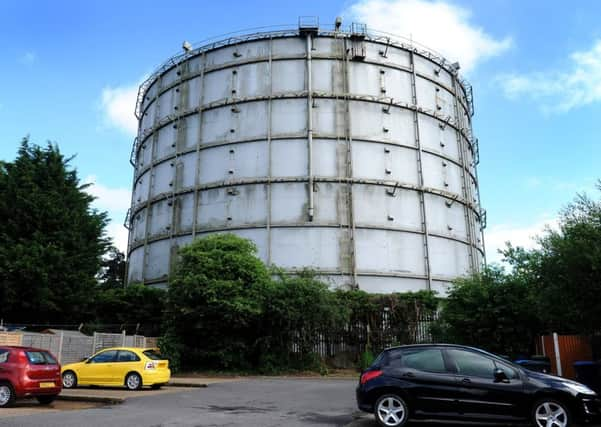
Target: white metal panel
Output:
[(161, 216), (448, 258), (438, 136), (289, 117), (310, 247), (157, 260), (394, 55), (289, 158), (218, 85), (369, 121), (194, 92), (385, 285), (166, 142), (139, 224), (374, 206), (444, 219), (163, 178), (288, 76), (327, 76), (136, 262), (188, 179), (329, 118), (232, 206), (328, 158), (372, 161), (223, 124), (166, 104), (289, 203), (191, 124), (386, 251), (252, 80), (186, 212), (289, 47), (433, 71), (330, 203), (233, 161)]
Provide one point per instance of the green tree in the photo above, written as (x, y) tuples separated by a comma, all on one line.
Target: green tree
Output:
[(216, 302), (135, 308), (51, 240), (492, 310), (568, 269), (112, 269)]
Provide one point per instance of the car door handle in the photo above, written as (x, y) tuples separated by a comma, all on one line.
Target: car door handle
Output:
[(409, 375), (466, 381)]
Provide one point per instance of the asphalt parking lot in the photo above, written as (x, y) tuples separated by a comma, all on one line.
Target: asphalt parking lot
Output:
[(250, 402)]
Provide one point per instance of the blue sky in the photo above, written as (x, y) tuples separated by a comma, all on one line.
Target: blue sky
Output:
[(70, 71)]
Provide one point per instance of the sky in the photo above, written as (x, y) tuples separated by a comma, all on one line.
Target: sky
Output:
[(70, 72)]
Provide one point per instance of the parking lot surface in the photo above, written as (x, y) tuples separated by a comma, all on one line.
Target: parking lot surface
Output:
[(271, 402), (248, 403)]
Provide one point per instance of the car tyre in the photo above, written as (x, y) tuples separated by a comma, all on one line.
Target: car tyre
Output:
[(133, 381), (69, 379), (7, 395), (46, 400), (550, 412), (391, 410)]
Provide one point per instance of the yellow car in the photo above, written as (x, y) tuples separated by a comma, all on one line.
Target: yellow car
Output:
[(128, 366)]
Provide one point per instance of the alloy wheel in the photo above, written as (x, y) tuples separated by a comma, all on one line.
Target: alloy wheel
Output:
[(391, 411), (68, 380), (550, 414), (5, 394), (133, 381)]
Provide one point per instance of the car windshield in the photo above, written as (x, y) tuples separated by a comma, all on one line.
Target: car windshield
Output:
[(153, 354)]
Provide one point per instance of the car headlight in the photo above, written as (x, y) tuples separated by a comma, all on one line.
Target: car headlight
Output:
[(578, 388)]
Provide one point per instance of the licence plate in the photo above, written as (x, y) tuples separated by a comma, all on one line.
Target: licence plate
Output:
[(47, 385), (162, 364)]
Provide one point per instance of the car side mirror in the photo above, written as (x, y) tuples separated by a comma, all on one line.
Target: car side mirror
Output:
[(500, 376)]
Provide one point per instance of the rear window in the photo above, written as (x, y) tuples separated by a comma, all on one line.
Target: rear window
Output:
[(154, 355), (40, 358)]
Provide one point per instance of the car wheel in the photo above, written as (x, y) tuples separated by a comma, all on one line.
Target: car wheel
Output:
[(7, 395), (550, 413), (46, 400), (69, 379), (133, 381), (391, 411)]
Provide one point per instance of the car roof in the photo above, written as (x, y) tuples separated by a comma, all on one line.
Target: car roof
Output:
[(465, 347), (127, 348), (20, 347)]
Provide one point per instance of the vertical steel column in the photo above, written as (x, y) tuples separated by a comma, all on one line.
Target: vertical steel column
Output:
[(269, 153), (420, 172), (198, 144), (469, 222), (153, 152), (349, 163), (310, 124)]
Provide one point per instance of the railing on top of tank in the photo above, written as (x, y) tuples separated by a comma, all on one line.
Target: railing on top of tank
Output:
[(288, 30)]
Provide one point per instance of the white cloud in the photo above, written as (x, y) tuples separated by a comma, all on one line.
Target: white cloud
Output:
[(28, 58), (115, 201), (110, 199), (523, 235), (118, 234), (438, 25), (560, 91), (118, 105)]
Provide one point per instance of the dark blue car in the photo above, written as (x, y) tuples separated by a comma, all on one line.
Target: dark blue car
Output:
[(458, 383)]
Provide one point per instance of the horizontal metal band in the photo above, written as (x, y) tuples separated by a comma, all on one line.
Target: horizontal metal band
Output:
[(453, 197), (200, 230), (375, 37), (266, 59)]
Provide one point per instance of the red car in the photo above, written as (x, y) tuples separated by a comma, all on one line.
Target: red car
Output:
[(28, 372)]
